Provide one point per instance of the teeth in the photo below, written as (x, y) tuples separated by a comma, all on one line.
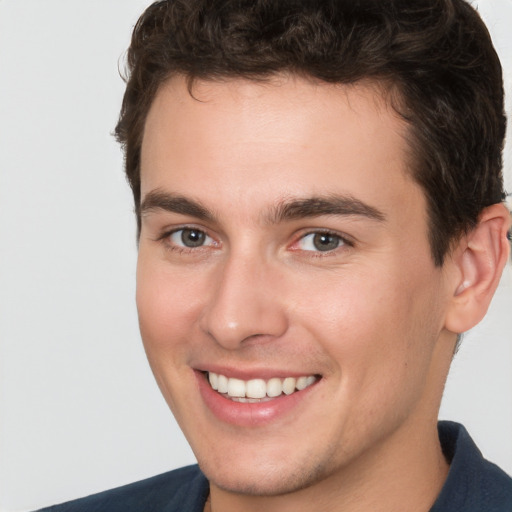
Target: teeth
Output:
[(214, 380), (255, 389), (222, 384), (289, 385), (236, 387), (274, 387), (304, 382)]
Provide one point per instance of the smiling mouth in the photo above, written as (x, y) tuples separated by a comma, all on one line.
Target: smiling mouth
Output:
[(258, 390)]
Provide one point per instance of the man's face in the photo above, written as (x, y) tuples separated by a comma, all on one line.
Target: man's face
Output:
[(284, 245)]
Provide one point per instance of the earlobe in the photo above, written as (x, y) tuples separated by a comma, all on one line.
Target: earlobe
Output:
[(479, 261)]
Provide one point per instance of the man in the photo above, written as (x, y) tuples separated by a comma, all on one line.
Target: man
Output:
[(319, 195)]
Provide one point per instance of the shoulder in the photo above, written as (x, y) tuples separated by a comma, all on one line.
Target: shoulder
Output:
[(183, 490), (473, 483)]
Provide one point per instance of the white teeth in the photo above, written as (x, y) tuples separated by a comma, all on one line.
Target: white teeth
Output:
[(274, 387), (222, 383), (214, 380), (236, 387), (310, 380), (304, 382), (289, 385), (256, 389)]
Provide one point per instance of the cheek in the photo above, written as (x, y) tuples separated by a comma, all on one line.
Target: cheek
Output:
[(167, 305), (372, 324), (166, 298)]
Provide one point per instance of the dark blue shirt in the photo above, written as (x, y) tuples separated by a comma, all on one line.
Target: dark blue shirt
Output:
[(473, 485)]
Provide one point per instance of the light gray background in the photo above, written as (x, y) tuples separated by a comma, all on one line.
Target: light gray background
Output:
[(79, 411)]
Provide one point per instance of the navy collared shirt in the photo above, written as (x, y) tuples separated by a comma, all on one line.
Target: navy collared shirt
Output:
[(473, 485)]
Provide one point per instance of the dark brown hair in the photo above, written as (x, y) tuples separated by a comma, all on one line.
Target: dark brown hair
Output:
[(437, 54)]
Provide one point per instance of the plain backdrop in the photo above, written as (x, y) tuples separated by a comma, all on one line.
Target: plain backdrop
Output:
[(79, 411)]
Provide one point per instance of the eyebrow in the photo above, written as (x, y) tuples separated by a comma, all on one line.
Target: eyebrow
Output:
[(340, 205), (286, 210), (158, 200)]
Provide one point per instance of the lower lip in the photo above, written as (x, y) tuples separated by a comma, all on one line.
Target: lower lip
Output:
[(248, 414)]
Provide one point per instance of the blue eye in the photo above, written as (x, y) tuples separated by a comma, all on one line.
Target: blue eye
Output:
[(322, 242), (190, 238)]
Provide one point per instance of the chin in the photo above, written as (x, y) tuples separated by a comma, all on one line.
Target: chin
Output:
[(263, 480)]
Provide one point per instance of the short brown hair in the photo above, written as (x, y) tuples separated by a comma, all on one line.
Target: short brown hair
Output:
[(437, 54)]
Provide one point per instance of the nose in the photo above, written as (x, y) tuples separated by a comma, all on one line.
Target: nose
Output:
[(244, 305)]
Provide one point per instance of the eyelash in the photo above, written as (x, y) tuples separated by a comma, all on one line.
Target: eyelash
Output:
[(166, 236), (343, 241)]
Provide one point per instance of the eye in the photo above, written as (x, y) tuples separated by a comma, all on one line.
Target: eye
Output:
[(320, 241), (190, 238)]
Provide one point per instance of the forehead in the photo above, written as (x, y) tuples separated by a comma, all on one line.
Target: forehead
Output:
[(239, 141)]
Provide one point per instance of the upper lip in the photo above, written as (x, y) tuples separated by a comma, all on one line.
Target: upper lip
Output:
[(252, 373)]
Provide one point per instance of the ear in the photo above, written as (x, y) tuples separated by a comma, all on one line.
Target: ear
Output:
[(477, 263)]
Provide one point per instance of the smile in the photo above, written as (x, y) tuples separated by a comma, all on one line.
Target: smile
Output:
[(258, 390)]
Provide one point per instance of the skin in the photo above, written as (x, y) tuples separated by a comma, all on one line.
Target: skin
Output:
[(373, 318)]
